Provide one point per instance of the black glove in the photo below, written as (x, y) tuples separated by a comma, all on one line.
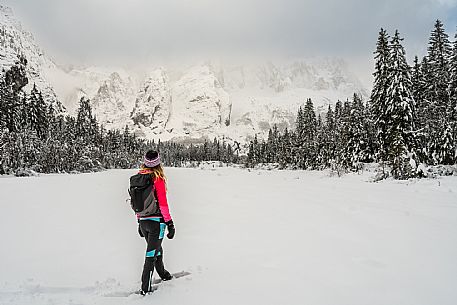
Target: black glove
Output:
[(140, 232), (171, 229)]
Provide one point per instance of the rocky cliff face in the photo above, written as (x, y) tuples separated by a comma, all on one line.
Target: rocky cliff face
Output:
[(193, 105), (152, 110), (112, 102), (200, 103), (15, 41)]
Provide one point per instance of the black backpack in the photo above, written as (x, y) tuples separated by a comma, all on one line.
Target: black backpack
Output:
[(142, 195)]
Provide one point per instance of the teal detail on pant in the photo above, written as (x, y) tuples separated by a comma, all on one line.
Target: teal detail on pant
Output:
[(151, 253), (162, 230), (159, 253), (151, 218)]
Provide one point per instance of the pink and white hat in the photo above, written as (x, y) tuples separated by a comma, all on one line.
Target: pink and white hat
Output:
[(151, 159)]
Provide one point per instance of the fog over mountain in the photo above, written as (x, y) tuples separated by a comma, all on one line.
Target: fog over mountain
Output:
[(115, 31)]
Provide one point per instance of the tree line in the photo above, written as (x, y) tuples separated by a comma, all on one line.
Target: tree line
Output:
[(409, 121)]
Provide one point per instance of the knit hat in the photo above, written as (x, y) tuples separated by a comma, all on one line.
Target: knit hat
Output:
[(151, 158)]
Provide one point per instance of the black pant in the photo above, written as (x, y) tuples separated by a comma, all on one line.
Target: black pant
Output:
[(153, 232)]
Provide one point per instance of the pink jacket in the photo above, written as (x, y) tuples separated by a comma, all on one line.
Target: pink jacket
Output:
[(161, 191)]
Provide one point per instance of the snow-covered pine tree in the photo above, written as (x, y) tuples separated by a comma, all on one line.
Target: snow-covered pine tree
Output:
[(37, 113), (271, 153), (298, 156), (417, 82), (370, 134), (275, 147), (424, 113), (229, 154), (250, 155), (309, 136), (420, 73), (358, 151), (4, 105), (344, 152), (53, 150), (285, 149), (452, 109), (329, 139), (400, 133), (253, 156), (338, 113), (83, 119), (205, 151), (319, 143), (85, 129), (378, 96), (128, 139), (12, 95), (215, 155), (339, 141), (447, 152), (439, 53)]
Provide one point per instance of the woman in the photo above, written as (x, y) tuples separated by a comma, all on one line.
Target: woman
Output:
[(152, 224)]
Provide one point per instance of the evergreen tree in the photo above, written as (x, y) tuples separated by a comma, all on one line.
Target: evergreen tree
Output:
[(36, 113), (329, 139), (254, 153), (423, 110), (358, 150), (274, 144), (418, 89), (400, 137), (438, 80), (285, 149), (12, 96), (452, 109), (379, 92), (320, 144), (439, 53), (343, 151), (84, 120), (309, 136), (298, 157), (453, 80), (270, 149)]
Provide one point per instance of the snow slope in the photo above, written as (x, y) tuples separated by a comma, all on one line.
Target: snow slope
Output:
[(248, 237)]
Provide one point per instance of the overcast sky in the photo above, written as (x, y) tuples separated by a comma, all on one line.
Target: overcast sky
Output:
[(89, 30)]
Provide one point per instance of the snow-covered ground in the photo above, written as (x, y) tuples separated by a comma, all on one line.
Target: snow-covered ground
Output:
[(248, 237)]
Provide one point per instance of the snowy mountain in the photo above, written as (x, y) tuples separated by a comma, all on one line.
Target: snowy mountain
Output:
[(200, 101), (186, 102), (15, 41)]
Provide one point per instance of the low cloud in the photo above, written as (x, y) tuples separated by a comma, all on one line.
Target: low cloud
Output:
[(130, 30)]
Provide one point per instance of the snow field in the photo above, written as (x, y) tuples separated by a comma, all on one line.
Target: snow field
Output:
[(248, 237)]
